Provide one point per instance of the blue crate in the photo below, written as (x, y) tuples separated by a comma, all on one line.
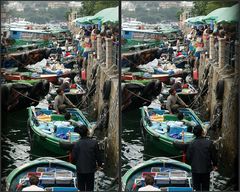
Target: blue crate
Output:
[(186, 189), (64, 189), (177, 130)]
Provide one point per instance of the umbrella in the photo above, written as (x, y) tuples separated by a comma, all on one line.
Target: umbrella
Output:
[(231, 16), (107, 15), (84, 20), (195, 20), (224, 14)]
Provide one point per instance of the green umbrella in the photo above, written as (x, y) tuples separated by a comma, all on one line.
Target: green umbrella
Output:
[(195, 20), (224, 14), (230, 16), (84, 20), (107, 15)]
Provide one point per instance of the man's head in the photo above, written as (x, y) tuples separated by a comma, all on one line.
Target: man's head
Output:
[(172, 91), (59, 91), (33, 180), (149, 180), (81, 130), (67, 116), (198, 131), (180, 116)]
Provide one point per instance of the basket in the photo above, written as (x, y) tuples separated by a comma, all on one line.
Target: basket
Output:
[(64, 177), (178, 177)]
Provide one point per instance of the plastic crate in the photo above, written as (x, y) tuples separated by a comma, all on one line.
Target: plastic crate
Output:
[(177, 130), (47, 178), (178, 177), (72, 189), (64, 130), (64, 177), (186, 189), (162, 178)]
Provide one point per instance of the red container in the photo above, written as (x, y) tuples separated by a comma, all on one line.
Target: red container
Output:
[(38, 174), (83, 74), (195, 74), (148, 173)]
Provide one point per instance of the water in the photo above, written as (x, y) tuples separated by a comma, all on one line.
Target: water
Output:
[(134, 151), (17, 150)]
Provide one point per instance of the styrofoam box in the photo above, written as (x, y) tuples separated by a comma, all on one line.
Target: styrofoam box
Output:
[(48, 178), (64, 177), (162, 178), (178, 177)]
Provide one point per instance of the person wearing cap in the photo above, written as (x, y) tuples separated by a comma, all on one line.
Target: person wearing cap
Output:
[(202, 156), (61, 102), (172, 101), (149, 181)]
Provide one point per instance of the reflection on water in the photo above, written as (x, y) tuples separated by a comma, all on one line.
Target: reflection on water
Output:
[(17, 149), (134, 151)]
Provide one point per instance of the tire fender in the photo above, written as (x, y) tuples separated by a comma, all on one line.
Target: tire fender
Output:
[(106, 89), (220, 89)]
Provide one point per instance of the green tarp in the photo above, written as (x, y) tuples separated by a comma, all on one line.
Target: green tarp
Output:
[(195, 20), (224, 14), (107, 15)]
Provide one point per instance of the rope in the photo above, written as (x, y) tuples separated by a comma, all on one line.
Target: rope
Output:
[(25, 95), (138, 96)]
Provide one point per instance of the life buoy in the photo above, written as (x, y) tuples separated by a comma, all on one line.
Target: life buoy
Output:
[(106, 89), (220, 89)]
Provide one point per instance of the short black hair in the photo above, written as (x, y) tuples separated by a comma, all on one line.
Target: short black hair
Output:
[(59, 90), (198, 130), (82, 130), (149, 180), (67, 116), (171, 90), (34, 180), (180, 116)]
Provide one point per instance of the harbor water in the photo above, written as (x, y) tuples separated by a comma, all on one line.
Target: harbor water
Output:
[(18, 150), (134, 151)]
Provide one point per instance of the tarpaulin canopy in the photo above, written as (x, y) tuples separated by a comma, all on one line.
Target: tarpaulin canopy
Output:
[(107, 15), (224, 14)]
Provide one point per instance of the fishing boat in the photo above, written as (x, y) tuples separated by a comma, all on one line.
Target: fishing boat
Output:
[(169, 175), (52, 132), (74, 93), (144, 76), (31, 76), (162, 130), (54, 175)]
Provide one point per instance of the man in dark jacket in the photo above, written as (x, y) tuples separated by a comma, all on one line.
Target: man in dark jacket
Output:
[(86, 156), (201, 155)]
